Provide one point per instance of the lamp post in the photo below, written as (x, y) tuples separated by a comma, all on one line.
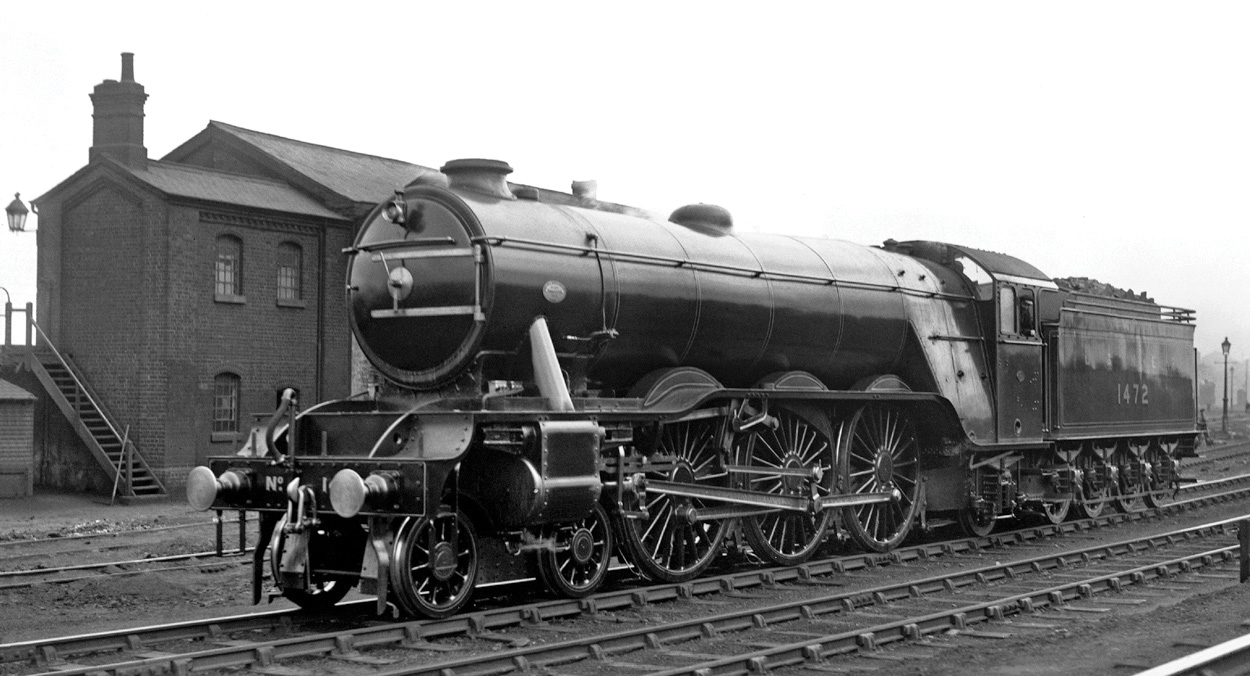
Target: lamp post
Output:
[(1225, 346), (17, 212)]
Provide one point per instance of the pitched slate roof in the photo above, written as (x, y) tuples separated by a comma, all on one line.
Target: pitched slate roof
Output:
[(183, 180), (11, 392), (356, 176)]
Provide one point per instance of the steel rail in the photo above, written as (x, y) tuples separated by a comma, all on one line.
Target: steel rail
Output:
[(105, 564), (416, 634), (110, 534), (20, 584), (1230, 657), (53, 649)]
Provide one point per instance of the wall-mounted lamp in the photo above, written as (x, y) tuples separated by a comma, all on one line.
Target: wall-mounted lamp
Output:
[(17, 212)]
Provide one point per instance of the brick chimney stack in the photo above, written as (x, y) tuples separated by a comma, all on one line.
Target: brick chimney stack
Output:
[(118, 114)]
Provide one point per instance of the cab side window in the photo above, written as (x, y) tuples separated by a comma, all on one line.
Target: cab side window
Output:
[(1017, 311), (1028, 314), (1007, 311)]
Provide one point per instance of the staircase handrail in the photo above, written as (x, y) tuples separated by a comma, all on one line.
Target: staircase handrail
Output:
[(129, 451), (73, 374)]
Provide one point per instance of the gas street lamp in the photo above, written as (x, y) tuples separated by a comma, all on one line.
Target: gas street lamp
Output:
[(1225, 346), (17, 212)]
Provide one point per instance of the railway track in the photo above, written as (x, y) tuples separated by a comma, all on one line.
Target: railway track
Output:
[(1228, 452), (241, 640), (76, 537)]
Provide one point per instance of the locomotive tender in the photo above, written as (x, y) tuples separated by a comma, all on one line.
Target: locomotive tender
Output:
[(564, 383)]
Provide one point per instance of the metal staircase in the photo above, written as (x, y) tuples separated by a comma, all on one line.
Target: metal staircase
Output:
[(112, 448)]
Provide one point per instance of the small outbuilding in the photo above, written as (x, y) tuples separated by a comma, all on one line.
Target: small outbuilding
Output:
[(17, 441)]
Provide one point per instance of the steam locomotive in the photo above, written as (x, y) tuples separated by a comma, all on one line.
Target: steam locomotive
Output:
[(568, 382)]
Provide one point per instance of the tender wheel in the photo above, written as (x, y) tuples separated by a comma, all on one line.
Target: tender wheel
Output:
[(798, 443), (312, 591), (975, 523), (434, 564), (1094, 489), (1055, 511), (1131, 483), (1162, 480), (879, 452), (584, 550), (666, 545)]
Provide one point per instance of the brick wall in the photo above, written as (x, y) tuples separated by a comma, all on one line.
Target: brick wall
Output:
[(112, 275), (269, 344)]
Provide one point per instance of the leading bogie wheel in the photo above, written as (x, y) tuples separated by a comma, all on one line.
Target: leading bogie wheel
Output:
[(434, 564), (667, 545), (315, 591), (879, 452), (579, 563), (795, 444)]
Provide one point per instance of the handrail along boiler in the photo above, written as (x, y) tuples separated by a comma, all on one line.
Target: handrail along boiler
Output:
[(565, 382)]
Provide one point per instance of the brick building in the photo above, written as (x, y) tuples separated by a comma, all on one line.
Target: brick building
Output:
[(185, 293), (17, 466)]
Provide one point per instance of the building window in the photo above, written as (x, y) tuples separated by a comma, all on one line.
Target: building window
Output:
[(290, 272), (225, 403), (228, 273)]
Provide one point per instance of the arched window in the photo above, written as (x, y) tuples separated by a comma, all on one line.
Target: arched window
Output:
[(290, 271), (225, 402), (229, 269)]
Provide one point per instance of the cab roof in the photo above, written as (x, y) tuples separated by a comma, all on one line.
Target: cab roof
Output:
[(1001, 266)]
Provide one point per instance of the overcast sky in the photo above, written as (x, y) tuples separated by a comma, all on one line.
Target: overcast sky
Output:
[(1100, 139)]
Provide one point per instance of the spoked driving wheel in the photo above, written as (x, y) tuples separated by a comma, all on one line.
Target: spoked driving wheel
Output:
[(1162, 478), (790, 459), (292, 559), (666, 544), (434, 564), (579, 563), (879, 453)]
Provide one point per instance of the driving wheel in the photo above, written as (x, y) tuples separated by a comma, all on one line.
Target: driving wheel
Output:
[(792, 457), (879, 452), (666, 544)]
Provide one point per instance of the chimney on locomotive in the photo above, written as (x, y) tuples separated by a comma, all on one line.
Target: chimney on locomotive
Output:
[(587, 190), (479, 175)]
